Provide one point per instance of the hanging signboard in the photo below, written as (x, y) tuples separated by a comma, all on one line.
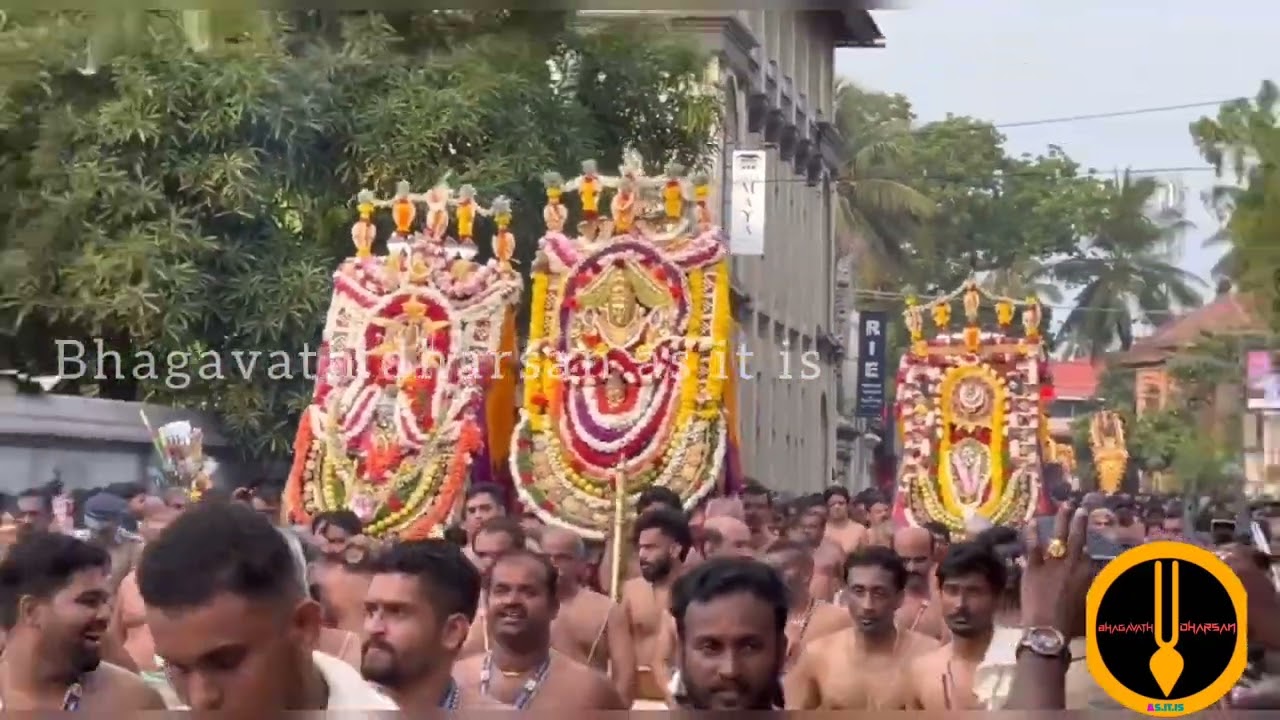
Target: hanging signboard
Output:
[(871, 364), (747, 175)]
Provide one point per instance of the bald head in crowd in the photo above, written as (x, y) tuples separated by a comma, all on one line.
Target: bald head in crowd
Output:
[(724, 535), (725, 507)]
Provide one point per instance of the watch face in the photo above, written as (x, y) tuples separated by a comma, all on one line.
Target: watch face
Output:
[(1044, 641)]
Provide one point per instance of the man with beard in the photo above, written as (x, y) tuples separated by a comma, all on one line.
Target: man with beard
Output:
[(589, 626), (55, 608), (971, 580), (757, 507), (863, 667), (808, 618), (730, 615), (914, 545), (421, 601), (841, 528), (662, 541), (233, 624), (651, 498), (520, 669), (497, 537)]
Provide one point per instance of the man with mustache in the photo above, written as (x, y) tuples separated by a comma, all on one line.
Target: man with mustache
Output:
[(863, 667), (730, 615), (651, 498), (971, 579), (914, 545), (34, 512), (662, 539), (55, 608), (520, 669), (496, 537), (421, 601), (808, 618), (587, 627), (842, 528)]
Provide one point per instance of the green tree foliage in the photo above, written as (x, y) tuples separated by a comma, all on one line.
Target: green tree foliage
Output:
[(1243, 144), (187, 197), (1125, 274)]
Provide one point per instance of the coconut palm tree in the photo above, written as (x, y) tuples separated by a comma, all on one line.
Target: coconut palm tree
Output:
[(875, 207), (1124, 272)]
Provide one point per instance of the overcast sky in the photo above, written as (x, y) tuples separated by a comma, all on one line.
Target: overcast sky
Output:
[(1017, 60)]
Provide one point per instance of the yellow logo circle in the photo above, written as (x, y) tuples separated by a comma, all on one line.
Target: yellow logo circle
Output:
[(1167, 629)]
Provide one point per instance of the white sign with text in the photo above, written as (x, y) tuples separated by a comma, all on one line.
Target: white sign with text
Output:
[(748, 176)]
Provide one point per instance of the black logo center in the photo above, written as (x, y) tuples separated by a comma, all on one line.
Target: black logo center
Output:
[(1206, 628)]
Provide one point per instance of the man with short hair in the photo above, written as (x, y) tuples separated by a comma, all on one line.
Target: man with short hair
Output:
[(808, 617), (730, 618), (421, 602), (55, 607), (651, 498), (841, 528), (757, 507), (34, 512), (496, 537), (662, 539), (232, 625), (484, 502), (863, 667), (520, 669)]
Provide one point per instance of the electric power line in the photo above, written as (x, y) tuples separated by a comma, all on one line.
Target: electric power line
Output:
[(1117, 113), (902, 296)]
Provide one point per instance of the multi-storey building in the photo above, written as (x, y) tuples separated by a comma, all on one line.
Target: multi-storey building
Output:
[(775, 70)]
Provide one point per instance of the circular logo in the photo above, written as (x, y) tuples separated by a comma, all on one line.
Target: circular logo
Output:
[(1166, 629)]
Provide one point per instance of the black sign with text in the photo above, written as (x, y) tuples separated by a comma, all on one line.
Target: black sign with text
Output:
[(872, 327)]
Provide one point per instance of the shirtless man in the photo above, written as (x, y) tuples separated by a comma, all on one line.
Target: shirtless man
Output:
[(662, 539), (808, 618), (129, 617), (757, 507), (341, 587), (56, 607), (809, 526), (654, 496), (914, 545), (841, 529), (589, 627), (864, 667), (970, 580), (828, 572), (520, 669), (497, 536), (723, 535), (422, 599), (941, 540)]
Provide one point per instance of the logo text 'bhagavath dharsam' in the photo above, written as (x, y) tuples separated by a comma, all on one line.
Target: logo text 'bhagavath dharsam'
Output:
[(1151, 610)]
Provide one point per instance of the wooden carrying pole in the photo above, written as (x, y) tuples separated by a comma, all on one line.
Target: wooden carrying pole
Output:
[(619, 508)]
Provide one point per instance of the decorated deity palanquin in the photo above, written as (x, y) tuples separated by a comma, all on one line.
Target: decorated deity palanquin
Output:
[(628, 355), (413, 348), (972, 405)]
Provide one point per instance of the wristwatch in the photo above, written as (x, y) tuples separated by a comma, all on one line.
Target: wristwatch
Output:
[(1046, 642)]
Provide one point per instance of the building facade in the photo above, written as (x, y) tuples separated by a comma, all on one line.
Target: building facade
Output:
[(776, 72)]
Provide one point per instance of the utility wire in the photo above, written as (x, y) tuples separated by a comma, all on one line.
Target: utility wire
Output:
[(870, 294), (1117, 113)]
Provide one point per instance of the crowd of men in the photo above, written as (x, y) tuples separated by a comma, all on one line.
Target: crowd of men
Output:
[(140, 601)]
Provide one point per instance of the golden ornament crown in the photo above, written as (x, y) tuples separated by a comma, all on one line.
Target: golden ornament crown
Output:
[(971, 295), (427, 216), (675, 203)]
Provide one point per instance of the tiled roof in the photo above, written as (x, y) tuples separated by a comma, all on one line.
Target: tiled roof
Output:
[(1228, 313), (1074, 378)]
